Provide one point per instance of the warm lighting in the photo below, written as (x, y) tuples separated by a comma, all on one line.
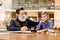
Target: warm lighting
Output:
[(0, 3), (2, 16), (57, 19)]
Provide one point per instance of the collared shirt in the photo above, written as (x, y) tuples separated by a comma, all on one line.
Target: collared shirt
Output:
[(47, 25)]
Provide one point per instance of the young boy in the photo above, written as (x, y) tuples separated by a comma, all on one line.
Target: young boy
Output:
[(44, 23)]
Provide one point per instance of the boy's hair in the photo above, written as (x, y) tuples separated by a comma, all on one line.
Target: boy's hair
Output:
[(17, 10), (46, 13)]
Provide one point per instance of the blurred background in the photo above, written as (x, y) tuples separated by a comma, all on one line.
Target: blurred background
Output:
[(8, 7), (30, 4)]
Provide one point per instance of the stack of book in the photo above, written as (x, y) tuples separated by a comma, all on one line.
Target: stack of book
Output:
[(54, 31)]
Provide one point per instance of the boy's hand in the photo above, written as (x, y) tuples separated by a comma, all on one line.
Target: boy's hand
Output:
[(41, 21), (55, 27)]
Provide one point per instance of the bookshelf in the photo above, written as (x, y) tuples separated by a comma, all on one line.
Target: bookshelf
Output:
[(34, 4)]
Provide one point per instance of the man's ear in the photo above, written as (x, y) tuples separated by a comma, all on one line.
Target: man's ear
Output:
[(16, 15)]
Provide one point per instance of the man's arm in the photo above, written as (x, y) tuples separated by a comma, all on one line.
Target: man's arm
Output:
[(12, 26), (32, 23)]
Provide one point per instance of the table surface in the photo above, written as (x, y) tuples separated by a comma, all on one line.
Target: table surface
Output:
[(27, 36)]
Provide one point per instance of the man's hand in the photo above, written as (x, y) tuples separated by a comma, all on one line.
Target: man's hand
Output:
[(24, 28)]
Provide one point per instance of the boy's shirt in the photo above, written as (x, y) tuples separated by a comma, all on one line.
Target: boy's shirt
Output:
[(47, 25)]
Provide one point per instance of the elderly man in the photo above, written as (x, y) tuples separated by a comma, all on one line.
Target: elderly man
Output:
[(21, 22)]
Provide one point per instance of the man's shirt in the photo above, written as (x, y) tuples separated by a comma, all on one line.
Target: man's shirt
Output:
[(16, 25)]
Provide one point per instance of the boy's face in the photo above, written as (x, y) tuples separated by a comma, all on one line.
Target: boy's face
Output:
[(44, 17)]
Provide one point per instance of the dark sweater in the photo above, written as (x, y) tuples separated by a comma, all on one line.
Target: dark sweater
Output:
[(15, 25)]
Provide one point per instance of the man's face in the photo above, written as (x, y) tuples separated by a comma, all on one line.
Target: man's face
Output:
[(44, 17), (22, 13)]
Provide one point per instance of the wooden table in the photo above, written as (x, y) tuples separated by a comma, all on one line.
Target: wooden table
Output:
[(27, 36)]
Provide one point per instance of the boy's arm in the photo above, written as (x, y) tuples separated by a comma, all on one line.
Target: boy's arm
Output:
[(50, 26), (38, 26)]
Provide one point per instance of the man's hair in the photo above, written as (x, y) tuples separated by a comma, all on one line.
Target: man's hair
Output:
[(45, 13), (17, 10)]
